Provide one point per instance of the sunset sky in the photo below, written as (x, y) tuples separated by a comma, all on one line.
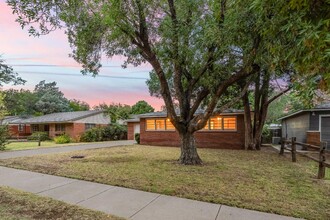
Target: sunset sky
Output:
[(47, 58)]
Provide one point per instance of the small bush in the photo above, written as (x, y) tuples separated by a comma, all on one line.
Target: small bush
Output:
[(137, 138), (108, 133), (4, 134), (63, 139), (36, 135), (92, 135)]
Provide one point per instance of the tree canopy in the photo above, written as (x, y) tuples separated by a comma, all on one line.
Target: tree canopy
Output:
[(198, 49), (141, 107)]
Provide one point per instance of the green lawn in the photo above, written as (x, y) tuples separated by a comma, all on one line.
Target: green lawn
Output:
[(255, 180), (26, 145), (15, 205)]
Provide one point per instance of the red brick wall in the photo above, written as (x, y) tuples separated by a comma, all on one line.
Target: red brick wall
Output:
[(313, 137), (14, 132), (130, 130), (204, 139)]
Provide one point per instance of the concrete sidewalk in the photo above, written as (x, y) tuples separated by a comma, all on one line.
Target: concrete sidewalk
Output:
[(128, 203), (51, 150)]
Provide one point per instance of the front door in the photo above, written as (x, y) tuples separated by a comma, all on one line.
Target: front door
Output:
[(325, 129)]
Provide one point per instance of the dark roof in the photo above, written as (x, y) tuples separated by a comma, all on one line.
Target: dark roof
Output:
[(13, 119), (61, 117), (304, 111)]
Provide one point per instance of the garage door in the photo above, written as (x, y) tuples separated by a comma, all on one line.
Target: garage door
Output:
[(325, 130)]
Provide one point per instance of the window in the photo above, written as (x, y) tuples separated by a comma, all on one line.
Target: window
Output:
[(221, 123), (150, 124), (59, 127), (215, 123), (21, 127), (89, 126), (35, 128), (229, 123), (169, 125), (159, 124)]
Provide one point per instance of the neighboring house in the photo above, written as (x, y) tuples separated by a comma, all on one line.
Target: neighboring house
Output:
[(16, 128), (71, 123), (309, 126), (225, 131)]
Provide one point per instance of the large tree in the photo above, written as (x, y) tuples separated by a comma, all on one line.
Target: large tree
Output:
[(186, 41), (20, 102), (50, 98)]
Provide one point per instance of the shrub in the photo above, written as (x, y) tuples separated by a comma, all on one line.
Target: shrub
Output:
[(137, 138), (92, 135), (36, 135), (108, 133), (115, 132), (63, 139), (4, 134)]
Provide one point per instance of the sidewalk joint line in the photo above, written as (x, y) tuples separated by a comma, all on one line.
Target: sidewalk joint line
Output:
[(145, 205), (218, 212), (56, 186), (110, 187)]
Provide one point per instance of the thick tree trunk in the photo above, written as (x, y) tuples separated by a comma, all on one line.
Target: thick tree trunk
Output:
[(189, 155)]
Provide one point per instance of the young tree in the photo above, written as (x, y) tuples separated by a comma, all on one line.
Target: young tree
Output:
[(142, 107), (187, 41)]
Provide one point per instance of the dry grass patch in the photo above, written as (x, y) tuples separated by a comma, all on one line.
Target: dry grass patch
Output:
[(254, 180), (15, 204)]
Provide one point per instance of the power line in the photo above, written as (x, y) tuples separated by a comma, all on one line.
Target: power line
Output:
[(71, 74)]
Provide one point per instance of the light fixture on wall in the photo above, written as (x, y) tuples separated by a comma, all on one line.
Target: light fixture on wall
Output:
[(313, 113)]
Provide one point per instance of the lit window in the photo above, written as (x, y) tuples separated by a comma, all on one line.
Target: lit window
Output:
[(150, 124), (215, 123), (160, 124), (59, 127), (229, 123), (169, 125)]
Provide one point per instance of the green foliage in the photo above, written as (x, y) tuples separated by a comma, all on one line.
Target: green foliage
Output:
[(114, 132), (77, 105), (51, 99), (142, 107), (4, 135), (116, 111), (92, 135), (137, 138), (7, 75), (20, 102), (36, 136), (108, 133), (63, 139)]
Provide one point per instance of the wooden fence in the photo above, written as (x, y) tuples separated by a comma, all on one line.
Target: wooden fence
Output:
[(322, 153)]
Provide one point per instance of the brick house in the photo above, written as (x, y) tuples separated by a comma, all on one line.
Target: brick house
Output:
[(71, 123), (308, 126), (224, 131), (17, 129)]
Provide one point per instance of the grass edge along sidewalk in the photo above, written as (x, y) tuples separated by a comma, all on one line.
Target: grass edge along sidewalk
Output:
[(254, 180), (15, 204)]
